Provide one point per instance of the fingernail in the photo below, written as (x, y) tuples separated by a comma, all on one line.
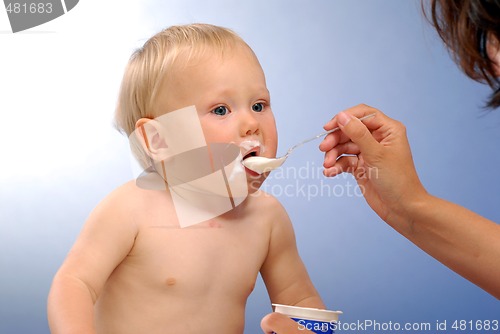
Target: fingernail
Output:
[(343, 118)]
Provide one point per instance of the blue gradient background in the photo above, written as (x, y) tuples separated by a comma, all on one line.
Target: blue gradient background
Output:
[(62, 155)]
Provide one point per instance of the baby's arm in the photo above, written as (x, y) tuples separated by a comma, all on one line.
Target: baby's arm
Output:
[(107, 237), (284, 273)]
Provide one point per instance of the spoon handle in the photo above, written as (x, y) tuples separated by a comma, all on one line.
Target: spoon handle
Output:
[(324, 134)]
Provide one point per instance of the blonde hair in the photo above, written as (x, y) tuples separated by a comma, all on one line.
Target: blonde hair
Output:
[(150, 65)]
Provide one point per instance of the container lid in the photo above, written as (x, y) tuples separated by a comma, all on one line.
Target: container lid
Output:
[(307, 313)]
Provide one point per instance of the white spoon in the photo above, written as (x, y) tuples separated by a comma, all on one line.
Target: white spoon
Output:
[(263, 164)]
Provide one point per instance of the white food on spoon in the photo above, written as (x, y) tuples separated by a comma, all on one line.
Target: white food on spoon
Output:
[(262, 164)]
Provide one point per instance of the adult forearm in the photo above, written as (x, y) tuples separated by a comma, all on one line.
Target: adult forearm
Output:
[(459, 238), (70, 307)]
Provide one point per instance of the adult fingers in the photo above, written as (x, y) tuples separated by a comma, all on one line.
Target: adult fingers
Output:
[(332, 155), (343, 164), (358, 132), (280, 324)]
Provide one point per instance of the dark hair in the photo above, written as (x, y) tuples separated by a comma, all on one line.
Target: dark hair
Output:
[(465, 26)]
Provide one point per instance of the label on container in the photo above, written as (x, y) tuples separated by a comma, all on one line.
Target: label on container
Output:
[(318, 327)]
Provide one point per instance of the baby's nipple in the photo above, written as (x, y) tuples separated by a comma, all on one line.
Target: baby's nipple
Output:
[(171, 281)]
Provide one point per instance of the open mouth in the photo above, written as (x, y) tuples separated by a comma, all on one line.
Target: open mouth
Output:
[(254, 152), (250, 154)]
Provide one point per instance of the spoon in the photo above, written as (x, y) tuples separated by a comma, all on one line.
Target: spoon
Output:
[(263, 164)]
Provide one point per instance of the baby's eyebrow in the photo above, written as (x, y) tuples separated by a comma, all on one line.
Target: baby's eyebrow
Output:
[(264, 91)]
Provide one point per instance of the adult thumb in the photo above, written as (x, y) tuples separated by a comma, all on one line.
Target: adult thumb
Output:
[(358, 132)]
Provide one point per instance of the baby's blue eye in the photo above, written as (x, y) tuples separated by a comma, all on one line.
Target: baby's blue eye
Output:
[(220, 110), (258, 107)]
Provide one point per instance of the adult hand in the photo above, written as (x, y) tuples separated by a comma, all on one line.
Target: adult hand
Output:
[(281, 324), (379, 157)]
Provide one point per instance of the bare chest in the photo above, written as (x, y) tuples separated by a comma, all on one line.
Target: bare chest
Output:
[(199, 261)]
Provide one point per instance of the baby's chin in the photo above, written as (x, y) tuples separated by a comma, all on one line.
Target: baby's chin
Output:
[(255, 182)]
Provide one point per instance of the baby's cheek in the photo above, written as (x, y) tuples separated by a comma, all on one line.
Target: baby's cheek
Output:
[(271, 144), (218, 135)]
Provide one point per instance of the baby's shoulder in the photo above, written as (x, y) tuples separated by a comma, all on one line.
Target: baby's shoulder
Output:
[(262, 198), (127, 193), (130, 198), (266, 203)]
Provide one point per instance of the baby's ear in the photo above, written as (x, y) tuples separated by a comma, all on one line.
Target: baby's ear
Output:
[(149, 134)]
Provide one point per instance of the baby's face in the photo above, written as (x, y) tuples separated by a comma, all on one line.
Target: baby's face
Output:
[(231, 98)]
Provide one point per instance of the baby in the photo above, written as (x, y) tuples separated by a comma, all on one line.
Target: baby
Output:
[(134, 269)]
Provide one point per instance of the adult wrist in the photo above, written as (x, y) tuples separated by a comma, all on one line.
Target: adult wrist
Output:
[(409, 211)]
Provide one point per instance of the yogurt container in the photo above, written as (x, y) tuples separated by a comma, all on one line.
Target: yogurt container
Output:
[(315, 320)]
